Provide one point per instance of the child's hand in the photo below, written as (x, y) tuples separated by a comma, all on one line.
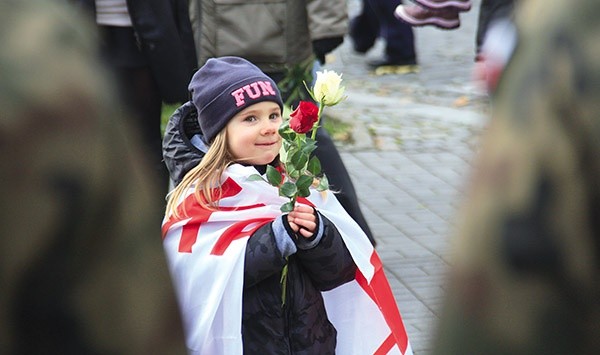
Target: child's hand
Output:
[(302, 220)]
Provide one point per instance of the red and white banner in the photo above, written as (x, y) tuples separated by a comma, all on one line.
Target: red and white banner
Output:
[(206, 252)]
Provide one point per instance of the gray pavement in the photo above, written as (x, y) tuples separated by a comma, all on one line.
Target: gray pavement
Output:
[(413, 140)]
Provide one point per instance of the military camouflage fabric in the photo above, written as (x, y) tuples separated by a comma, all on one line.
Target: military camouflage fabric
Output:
[(525, 278), (82, 268)]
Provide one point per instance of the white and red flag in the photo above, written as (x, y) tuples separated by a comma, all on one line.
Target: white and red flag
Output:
[(205, 254)]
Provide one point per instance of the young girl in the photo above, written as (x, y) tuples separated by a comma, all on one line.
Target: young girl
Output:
[(249, 279)]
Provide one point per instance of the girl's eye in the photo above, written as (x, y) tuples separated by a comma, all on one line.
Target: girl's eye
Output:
[(250, 118), (274, 116)]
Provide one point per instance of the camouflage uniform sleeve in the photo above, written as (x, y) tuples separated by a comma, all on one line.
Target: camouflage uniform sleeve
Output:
[(524, 277), (81, 262)]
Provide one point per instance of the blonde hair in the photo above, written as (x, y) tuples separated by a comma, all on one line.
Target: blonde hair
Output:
[(206, 177)]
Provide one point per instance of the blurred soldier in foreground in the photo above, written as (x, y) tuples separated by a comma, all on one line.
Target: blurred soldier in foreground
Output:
[(525, 276), (82, 269)]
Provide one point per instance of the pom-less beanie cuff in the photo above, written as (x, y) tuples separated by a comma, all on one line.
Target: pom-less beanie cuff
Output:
[(225, 86)]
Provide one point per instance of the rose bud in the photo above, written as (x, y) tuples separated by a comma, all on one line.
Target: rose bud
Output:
[(304, 117), (328, 89)]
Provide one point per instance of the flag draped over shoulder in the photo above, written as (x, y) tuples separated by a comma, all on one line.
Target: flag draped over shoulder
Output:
[(206, 252)]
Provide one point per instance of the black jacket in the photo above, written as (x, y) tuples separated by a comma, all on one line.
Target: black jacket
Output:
[(270, 325), (165, 37)]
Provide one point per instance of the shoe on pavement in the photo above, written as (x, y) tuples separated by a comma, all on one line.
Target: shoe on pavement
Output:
[(460, 5), (387, 66), (396, 69), (417, 16)]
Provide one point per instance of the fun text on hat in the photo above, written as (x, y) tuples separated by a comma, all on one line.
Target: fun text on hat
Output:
[(253, 91)]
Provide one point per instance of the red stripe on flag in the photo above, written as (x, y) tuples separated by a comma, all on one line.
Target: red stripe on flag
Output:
[(228, 188), (191, 207), (380, 292), (386, 346), (189, 202), (237, 231), (189, 232)]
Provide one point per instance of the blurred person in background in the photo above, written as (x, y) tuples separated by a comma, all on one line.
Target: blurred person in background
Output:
[(82, 270), (443, 14), (491, 11), (149, 47), (524, 275), (376, 20)]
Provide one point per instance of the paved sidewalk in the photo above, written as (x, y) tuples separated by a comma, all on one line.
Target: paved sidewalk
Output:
[(414, 138)]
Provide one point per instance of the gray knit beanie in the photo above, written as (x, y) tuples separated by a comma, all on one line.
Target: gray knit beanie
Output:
[(225, 86)]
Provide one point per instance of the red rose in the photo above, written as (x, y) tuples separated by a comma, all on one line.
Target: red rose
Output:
[(304, 117)]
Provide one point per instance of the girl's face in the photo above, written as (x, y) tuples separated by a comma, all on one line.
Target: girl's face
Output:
[(252, 134)]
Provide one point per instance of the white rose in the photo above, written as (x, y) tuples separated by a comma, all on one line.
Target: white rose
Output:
[(328, 90)]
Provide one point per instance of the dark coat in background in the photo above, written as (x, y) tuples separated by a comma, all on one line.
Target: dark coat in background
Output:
[(164, 33)]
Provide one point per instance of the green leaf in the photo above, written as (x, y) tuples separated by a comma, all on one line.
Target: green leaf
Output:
[(323, 184), (285, 125), (314, 166), (287, 207), (299, 159), (288, 189), (256, 177), (273, 176), (308, 148), (287, 134), (303, 192), (304, 182), (286, 148), (291, 150), (294, 173)]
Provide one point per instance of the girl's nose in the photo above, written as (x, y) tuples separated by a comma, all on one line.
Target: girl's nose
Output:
[(270, 127)]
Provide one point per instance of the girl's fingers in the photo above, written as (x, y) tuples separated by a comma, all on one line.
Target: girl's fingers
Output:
[(303, 224), (303, 208), (303, 212), (293, 225), (302, 220), (302, 230), (296, 217), (305, 233)]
